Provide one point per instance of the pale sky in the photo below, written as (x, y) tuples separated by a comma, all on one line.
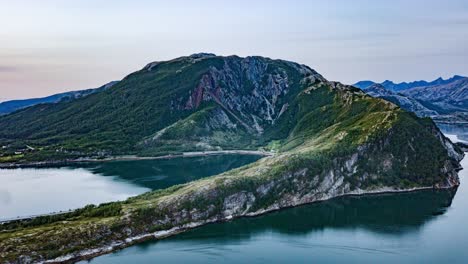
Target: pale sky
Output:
[(52, 46)]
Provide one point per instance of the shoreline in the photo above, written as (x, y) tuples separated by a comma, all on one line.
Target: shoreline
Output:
[(89, 254), (123, 158), (115, 245), (450, 122), (41, 164)]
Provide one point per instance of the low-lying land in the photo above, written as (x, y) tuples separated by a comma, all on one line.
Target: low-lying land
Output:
[(62, 162)]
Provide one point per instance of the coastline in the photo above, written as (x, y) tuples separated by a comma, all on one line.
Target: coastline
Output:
[(40, 164), (115, 246)]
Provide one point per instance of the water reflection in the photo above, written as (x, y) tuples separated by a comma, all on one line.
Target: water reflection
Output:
[(456, 132), (387, 214), (28, 192), (160, 174), (320, 231)]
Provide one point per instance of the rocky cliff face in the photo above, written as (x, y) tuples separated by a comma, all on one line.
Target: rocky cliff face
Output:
[(238, 98), (254, 105)]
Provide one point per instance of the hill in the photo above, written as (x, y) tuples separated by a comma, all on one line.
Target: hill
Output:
[(328, 140)]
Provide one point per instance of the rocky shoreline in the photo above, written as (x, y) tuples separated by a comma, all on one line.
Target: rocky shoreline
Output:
[(118, 245)]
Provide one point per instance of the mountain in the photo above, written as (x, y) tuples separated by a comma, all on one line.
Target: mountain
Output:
[(445, 98), (326, 139), (195, 103), (363, 84), (408, 103), (396, 87), (445, 101), (13, 105)]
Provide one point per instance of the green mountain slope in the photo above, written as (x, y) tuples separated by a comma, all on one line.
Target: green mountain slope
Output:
[(330, 140), (199, 102), (236, 97)]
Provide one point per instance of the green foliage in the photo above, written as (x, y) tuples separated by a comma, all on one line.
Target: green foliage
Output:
[(103, 210), (113, 120), (418, 156)]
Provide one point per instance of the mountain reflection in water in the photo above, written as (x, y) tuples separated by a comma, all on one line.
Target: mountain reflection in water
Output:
[(316, 232), (385, 213)]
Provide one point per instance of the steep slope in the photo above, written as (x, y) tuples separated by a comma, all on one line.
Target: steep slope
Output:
[(330, 140), (408, 103), (14, 105)]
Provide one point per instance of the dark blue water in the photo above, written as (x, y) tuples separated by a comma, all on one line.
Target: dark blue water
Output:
[(418, 227)]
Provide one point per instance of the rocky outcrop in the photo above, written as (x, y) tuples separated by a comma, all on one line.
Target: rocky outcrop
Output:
[(248, 89)]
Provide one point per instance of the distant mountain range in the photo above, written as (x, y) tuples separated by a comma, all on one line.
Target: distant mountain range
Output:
[(13, 105), (407, 103), (443, 100), (396, 87)]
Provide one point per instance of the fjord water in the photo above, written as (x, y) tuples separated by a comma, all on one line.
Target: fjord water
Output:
[(418, 227), (27, 192), (456, 133)]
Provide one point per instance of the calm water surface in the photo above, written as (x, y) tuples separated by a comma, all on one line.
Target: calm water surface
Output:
[(25, 192), (418, 227)]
